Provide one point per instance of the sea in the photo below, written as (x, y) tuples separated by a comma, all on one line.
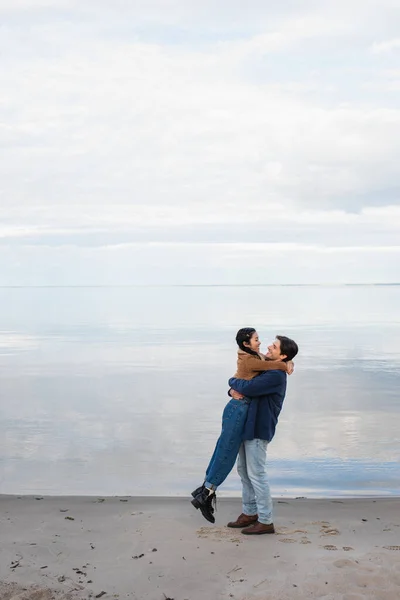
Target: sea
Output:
[(119, 391)]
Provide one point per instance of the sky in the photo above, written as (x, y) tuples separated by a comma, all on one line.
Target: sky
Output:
[(176, 142)]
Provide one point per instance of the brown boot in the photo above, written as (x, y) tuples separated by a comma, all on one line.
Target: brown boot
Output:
[(259, 529), (243, 521)]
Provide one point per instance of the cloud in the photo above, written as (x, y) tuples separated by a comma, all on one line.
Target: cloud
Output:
[(146, 122), (126, 227), (198, 263), (387, 46)]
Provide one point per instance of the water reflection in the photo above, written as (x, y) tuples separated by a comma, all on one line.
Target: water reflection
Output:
[(121, 391)]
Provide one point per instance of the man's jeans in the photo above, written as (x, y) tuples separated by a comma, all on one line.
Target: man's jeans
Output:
[(251, 466), (228, 444)]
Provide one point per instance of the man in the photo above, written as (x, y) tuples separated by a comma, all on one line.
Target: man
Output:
[(267, 392)]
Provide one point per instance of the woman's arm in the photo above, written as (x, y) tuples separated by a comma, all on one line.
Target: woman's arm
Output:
[(255, 364)]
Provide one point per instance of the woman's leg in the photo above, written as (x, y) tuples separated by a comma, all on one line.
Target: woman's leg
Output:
[(212, 459), (226, 416), (228, 444)]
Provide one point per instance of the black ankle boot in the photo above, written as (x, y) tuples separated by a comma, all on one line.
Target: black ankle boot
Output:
[(198, 491), (203, 501)]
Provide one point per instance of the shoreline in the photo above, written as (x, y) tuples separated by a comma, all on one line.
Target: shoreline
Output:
[(221, 496), (152, 548)]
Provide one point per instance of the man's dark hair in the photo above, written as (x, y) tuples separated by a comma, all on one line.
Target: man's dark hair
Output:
[(288, 347), (245, 335)]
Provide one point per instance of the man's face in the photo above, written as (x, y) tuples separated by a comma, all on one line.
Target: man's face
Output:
[(274, 351)]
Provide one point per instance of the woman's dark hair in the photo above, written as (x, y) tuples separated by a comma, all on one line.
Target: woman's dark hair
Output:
[(288, 347), (245, 335)]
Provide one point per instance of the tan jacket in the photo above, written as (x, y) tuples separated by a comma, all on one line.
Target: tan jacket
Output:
[(248, 365)]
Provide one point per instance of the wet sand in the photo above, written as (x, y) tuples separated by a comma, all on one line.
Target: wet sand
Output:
[(162, 548)]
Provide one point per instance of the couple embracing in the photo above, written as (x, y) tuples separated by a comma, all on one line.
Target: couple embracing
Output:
[(248, 426)]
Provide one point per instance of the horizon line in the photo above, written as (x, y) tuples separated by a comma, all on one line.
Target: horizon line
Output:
[(180, 285)]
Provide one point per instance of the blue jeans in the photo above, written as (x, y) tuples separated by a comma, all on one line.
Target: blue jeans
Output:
[(252, 469), (228, 444)]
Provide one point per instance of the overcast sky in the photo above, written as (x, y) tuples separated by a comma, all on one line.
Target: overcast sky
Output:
[(179, 141)]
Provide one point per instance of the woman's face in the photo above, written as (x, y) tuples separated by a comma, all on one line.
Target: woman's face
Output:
[(254, 343)]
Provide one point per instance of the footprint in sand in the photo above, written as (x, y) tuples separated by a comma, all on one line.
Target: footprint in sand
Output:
[(288, 540), (347, 548), (331, 532), (287, 531), (305, 540), (328, 530), (392, 547), (345, 562), (218, 534), (330, 547)]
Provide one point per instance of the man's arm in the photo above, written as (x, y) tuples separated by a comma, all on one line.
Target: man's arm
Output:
[(266, 383)]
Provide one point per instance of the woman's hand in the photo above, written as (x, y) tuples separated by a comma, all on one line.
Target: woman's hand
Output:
[(290, 367), (235, 395)]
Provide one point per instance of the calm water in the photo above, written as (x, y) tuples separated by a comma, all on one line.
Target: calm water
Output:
[(120, 390)]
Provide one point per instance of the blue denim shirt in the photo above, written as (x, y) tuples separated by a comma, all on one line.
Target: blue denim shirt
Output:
[(267, 392)]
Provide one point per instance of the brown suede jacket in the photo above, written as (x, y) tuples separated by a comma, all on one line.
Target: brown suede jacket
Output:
[(248, 365)]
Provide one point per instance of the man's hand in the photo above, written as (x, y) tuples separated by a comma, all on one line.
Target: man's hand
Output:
[(290, 367), (235, 395)]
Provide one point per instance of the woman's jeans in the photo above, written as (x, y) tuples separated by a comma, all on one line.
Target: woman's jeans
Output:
[(228, 444)]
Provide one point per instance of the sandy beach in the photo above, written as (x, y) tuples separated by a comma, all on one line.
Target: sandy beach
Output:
[(162, 548)]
